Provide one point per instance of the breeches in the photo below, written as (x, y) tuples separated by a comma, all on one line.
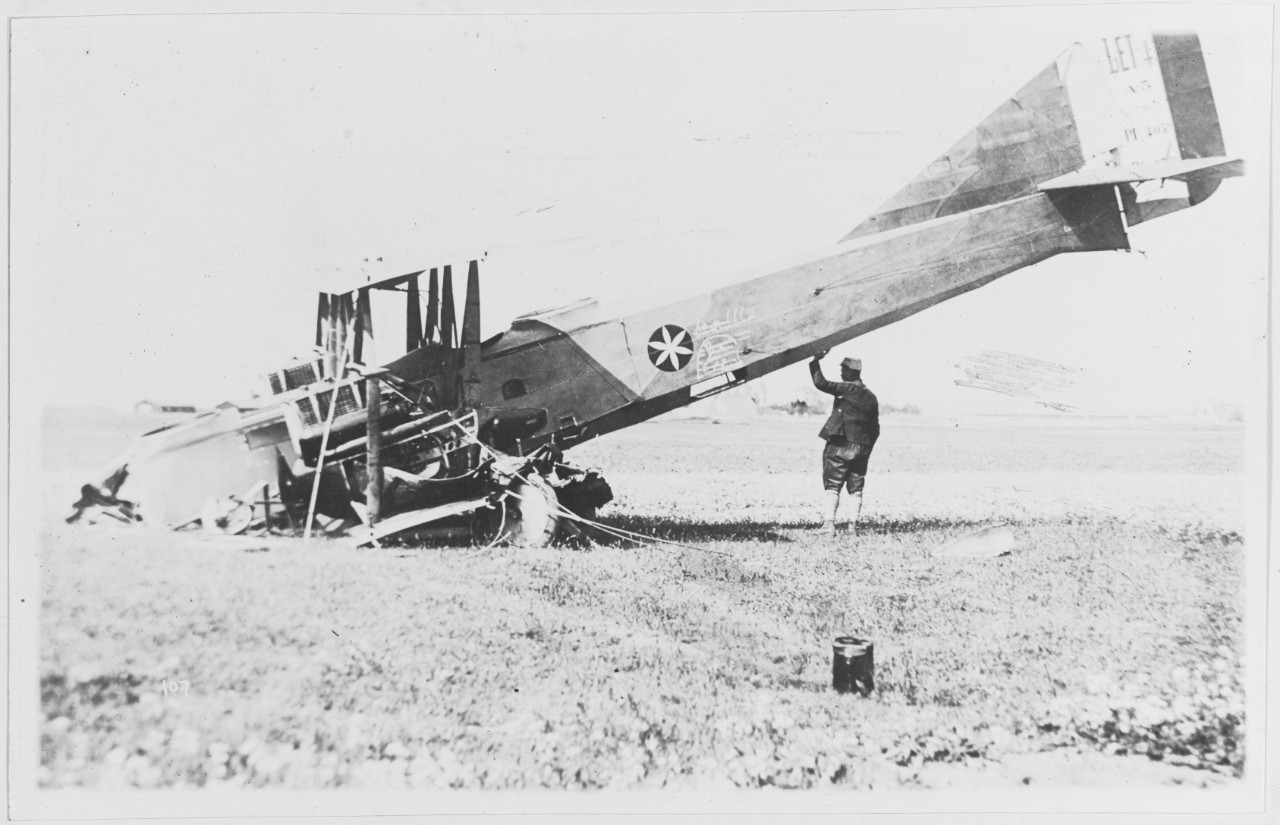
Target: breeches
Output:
[(844, 465)]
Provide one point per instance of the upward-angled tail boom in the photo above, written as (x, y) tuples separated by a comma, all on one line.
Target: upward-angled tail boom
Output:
[(1111, 134)]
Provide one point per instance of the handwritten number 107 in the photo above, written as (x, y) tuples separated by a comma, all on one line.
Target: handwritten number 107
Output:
[(168, 686)]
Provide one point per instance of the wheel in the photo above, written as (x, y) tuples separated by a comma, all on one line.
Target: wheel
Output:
[(527, 516), (236, 520), (439, 466)]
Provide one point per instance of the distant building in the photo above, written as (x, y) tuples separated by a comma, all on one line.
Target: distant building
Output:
[(1225, 411)]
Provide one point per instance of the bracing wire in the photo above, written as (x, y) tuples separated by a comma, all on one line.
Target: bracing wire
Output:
[(622, 533), (615, 531)]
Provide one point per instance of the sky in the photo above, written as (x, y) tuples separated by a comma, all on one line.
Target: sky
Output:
[(182, 184)]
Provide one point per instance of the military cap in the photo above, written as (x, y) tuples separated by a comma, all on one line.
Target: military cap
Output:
[(852, 364)]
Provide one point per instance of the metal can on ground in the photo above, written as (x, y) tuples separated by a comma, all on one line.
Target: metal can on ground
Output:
[(853, 665)]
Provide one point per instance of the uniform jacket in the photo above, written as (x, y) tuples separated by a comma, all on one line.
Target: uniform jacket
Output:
[(855, 412)]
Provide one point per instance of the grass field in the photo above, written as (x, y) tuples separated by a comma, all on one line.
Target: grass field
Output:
[(1104, 648)]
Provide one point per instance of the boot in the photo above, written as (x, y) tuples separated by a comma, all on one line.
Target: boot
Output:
[(829, 521), (855, 500)]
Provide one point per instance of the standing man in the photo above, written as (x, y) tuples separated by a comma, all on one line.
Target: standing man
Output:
[(850, 432)]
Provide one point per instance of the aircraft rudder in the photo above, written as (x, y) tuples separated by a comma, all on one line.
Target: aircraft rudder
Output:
[(1189, 94)]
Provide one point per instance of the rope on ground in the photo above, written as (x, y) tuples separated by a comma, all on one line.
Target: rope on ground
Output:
[(619, 532)]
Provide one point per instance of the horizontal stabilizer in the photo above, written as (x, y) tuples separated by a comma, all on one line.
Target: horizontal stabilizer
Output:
[(1180, 169)]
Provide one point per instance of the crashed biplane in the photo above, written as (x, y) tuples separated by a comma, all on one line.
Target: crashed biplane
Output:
[(471, 433)]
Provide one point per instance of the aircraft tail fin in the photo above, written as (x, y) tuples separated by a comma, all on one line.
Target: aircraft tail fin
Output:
[(1134, 111)]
